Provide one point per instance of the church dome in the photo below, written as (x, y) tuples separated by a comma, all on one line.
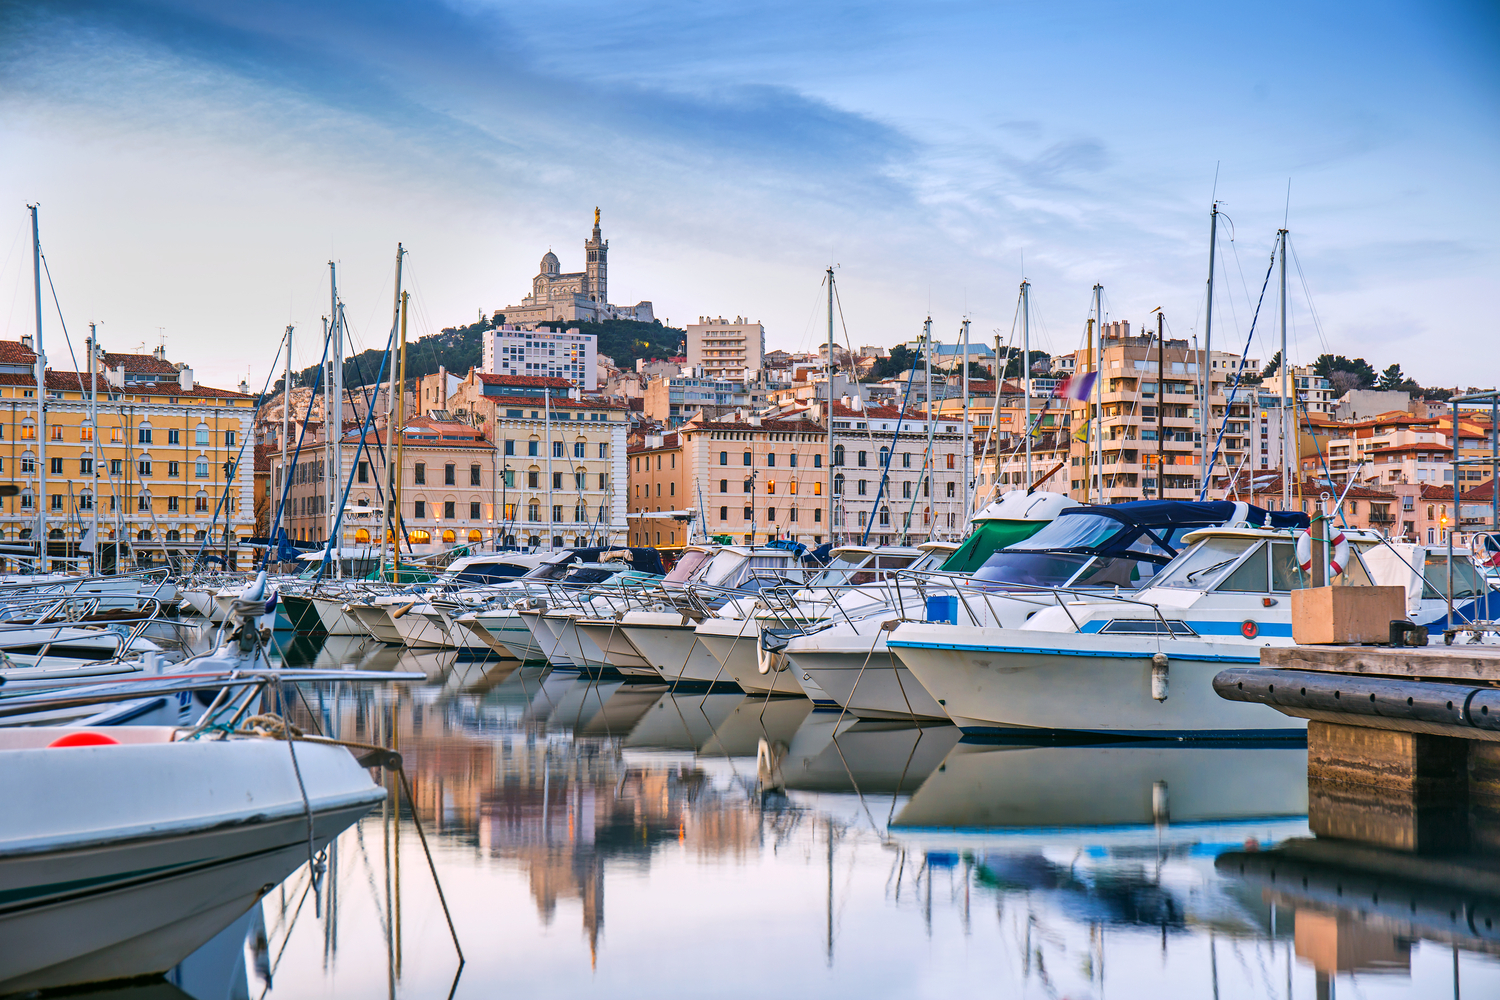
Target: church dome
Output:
[(550, 264)]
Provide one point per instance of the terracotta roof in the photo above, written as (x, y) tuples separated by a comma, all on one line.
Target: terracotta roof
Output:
[(146, 364), (1484, 491), (13, 352), (1437, 493), (797, 426), (57, 381), (530, 381), (263, 453), (672, 440), (1392, 449), (558, 403)]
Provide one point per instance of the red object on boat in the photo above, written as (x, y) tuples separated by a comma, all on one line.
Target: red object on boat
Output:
[(84, 740)]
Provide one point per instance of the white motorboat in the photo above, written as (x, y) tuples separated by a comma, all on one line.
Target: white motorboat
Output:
[(1143, 665), (1083, 548), (120, 858)]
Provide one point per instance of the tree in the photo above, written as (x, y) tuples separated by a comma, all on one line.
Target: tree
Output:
[(1328, 364), (900, 360), (1272, 366), (1393, 379)]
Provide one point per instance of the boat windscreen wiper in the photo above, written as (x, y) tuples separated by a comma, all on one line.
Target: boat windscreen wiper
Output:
[(1209, 569)]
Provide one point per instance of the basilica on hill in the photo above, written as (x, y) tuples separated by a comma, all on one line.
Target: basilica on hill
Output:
[(575, 296)]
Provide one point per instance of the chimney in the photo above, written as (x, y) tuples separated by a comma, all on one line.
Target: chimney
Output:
[(244, 387), (26, 342), (160, 352), (115, 376), (185, 379), (754, 420)]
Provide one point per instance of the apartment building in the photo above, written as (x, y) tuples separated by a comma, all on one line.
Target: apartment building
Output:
[(159, 471), (726, 349), (659, 486), (672, 399), (561, 458), (542, 353)]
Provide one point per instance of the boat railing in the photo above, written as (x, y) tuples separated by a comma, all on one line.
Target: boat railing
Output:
[(965, 588)]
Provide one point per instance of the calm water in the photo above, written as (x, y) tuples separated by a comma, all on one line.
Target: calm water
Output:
[(617, 840)]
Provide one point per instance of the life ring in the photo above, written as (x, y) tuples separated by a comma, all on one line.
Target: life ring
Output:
[(1338, 563)]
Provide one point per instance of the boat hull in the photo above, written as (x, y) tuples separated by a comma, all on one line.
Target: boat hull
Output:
[(615, 648), (734, 643), (863, 677), (1013, 681), (675, 650)]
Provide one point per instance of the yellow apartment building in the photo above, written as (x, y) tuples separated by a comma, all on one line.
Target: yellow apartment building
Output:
[(156, 470)]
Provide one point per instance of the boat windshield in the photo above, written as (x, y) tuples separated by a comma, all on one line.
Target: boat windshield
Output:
[(722, 568), (589, 574), (1031, 569), (1072, 531), (686, 566), (1205, 564), (841, 568), (1466, 580), (548, 571), (488, 573)]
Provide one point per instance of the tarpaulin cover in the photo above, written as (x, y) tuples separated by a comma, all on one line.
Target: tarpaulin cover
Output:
[(986, 539)]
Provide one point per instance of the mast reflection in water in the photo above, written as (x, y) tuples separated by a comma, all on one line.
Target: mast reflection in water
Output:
[(742, 847)]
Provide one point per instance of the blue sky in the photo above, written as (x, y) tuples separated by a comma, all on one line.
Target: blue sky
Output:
[(198, 163)]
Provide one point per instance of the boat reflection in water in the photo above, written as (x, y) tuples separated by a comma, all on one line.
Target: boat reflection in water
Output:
[(615, 838)]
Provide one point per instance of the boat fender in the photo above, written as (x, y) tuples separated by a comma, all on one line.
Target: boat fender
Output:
[(1159, 665), (84, 740)]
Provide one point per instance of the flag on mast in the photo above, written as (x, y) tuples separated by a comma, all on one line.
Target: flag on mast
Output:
[(1077, 387)]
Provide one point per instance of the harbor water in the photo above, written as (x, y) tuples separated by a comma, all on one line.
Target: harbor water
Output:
[(613, 839)]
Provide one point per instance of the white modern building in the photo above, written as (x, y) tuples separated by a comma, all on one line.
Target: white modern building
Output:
[(732, 349), (543, 352)]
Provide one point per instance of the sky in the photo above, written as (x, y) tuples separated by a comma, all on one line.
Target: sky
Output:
[(199, 162)]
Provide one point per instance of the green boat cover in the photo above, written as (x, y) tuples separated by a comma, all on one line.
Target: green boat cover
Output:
[(989, 537)]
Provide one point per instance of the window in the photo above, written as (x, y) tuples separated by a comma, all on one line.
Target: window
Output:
[(723, 458), (578, 478), (85, 501), (770, 513), (174, 469), (749, 513), (143, 435), (28, 499), (723, 486), (580, 513), (533, 447), (771, 460), (419, 474), (770, 486), (791, 487), (201, 470), (200, 504), (791, 460), (174, 436), (818, 460), (364, 472), (57, 501), (85, 433), (229, 439), (578, 447), (28, 463), (200, 436), (28, 429), (861, 459), (144, 467), (56, 466), (419, 510), (508, 477), (817, 489), (143, 502), (818, 514), (838, 485), (951, 488), (557, 480), (906, 491), (116, 466), (86, 466), (791, 514), (448, 513), (748, 459), (838, 454), (474, 474), (510, 446), (361, 536), (450, 474), (556, 512), (57, 432), (533, 479), (952, 459), (603, 481), (557, 449), (172, 505), (604, 449), (885, 515), (749, 486), (723, 513), (534, 511), (419, 536), (906, 460)]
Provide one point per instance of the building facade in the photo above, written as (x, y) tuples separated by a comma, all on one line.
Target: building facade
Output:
[(543, 353), (159, 473), (659, 486), (726, 349)]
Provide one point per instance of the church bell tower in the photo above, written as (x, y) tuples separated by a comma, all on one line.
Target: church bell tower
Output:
[(596, 266)]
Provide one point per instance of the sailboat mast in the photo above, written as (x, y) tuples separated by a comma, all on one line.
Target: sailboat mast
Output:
[(1286, 464), (1207, 359), (828, 420), (547, 434), (94, 427), (398, 438), (968, 437), (1161, 409), (1099, 388), (333, 426), (1026, 375), (1088, 444), (41, 398), (286, 429), (1000, 365), (389, 526)]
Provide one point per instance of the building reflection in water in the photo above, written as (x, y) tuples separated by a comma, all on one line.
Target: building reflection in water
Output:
[(1075, 850)]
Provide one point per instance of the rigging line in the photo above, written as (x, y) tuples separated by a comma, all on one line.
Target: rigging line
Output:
[(854, 381), (890, 455), (64, 323), (288, 472), (1307, 294), (1239, 371)]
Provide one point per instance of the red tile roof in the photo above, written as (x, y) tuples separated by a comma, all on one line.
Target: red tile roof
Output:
[(529, 381), (558, 403), (57, 381), (13, 352), (1395, 448), (145, 364)]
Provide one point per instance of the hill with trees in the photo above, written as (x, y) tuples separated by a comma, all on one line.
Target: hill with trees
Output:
[(460, 348)]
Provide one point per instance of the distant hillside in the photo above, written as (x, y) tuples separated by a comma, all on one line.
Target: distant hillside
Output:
[(460, 348)]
